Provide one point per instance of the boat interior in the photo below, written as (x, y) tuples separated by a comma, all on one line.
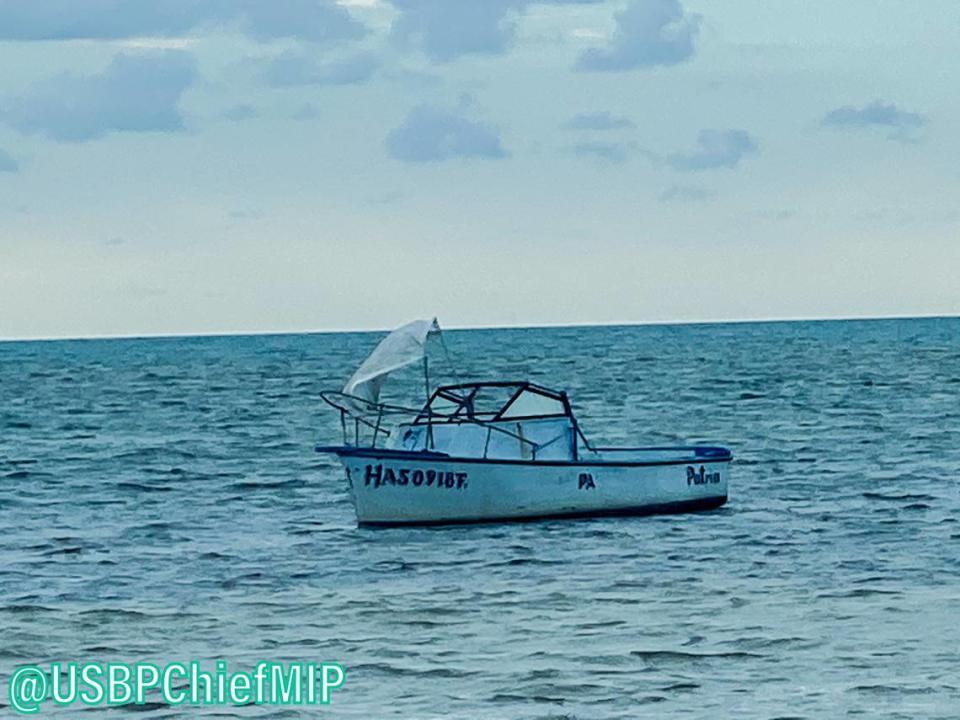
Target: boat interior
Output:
[(505, 421)]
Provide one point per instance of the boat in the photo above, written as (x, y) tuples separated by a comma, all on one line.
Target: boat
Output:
[(493, 451)]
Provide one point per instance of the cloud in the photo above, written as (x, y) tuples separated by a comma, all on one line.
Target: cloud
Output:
[(98, 19), (7, 162), (611, 152), (309, 20), (445, 30), (307, 111), (415, 80), (388, 197), (431, 134), (686, 194), (320, 21), (648, 33), (248, 214), (716, 149), (243, 111), (448, 29), (598, 121), (877, 114), (136, 92), (137, 289), (293, 69)]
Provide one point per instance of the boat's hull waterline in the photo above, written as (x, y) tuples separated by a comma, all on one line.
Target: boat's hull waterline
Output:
[(398, 488)]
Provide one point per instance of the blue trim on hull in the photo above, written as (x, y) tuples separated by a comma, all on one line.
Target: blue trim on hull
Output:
[(683, 506), (698, 455)]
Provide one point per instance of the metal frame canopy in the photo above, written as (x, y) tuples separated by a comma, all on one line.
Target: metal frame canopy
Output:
[(493, 405), (493, 402)]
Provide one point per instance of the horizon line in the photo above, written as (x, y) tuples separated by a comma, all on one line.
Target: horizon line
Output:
[(535, 326)]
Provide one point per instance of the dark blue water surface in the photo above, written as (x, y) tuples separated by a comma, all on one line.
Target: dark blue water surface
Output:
[(160, 500)]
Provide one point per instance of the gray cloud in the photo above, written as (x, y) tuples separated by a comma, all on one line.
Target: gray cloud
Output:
[(7, 162), (248, 214), (876, 114), (716, 149), (415, 79), (307, 111), (447, 29), (648, 33), (598, 121), (310, 20), (99, 19), (431, 134), (388, 197), (136, 92), (135, 288), (611, 152), (293, 69), (243, 111), (686, 194)]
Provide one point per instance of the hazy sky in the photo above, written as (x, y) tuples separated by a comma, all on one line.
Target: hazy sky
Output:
[(182, 166)]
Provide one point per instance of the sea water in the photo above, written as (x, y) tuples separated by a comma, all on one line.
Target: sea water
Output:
[(160, 500)]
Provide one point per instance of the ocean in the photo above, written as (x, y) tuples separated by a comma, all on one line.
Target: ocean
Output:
[(160, 500)]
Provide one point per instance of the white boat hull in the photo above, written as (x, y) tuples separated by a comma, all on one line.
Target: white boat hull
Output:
[(393, 488)]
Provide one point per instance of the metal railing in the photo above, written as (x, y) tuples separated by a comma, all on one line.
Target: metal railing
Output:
[(362, 413)]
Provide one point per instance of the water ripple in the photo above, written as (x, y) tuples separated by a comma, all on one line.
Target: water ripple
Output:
[(159, 500)]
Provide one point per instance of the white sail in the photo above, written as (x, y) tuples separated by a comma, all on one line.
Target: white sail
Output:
[(404, 346)]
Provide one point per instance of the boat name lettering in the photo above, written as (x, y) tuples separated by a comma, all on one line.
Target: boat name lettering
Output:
[(701, 476), (378, 475), (586, 482)]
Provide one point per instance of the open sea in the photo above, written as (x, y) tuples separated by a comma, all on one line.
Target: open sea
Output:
[(160, 500)]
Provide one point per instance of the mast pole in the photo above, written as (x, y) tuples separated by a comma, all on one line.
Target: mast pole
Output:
[(426, 378), (426, 387)]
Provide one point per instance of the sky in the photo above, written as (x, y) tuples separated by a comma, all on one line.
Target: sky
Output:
[(224, 166)]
